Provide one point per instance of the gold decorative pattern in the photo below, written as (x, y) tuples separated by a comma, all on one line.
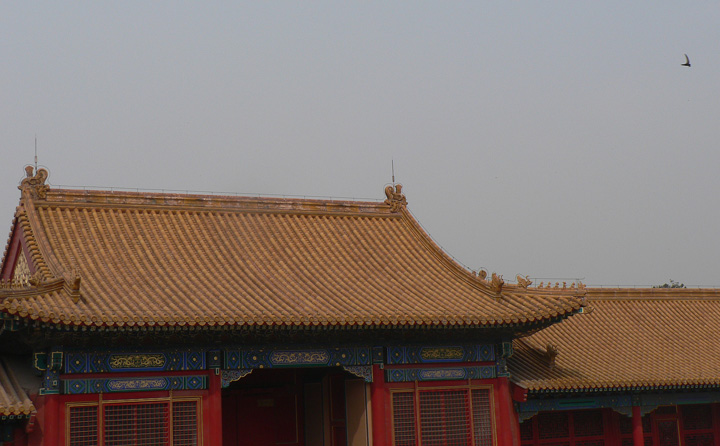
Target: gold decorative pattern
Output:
[(442, 353), (135, 384), (21, 276), (280, 358), (118, 362), (440, 374)]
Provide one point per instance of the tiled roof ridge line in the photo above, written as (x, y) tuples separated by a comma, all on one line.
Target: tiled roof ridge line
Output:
[(218, 203), (46, 262), (656, 294), (455, 267), (192, 193), (466, 274), (462, 272), (8, 243), (619, 388)]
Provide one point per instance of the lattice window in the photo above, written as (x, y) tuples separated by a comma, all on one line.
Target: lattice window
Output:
[(83, 426), (697, 417), (185, 420), (553, 425), (444, 418), (447, 417), (527, 431), (590, 443), (404, 418), (566, 428), (665, 410), (667, 433), (137, 424), (625, 424), (482, 417), (697, 424), (699, 440), (588, 423)]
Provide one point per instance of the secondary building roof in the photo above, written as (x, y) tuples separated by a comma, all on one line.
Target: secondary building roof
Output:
[(13, 399), (107, 258), (626, 339)]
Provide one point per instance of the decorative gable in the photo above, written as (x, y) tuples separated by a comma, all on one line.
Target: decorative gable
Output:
[(21, 271), (17, 269)]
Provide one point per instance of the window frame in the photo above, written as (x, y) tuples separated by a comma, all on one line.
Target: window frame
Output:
[(102, 403), (416, 389)]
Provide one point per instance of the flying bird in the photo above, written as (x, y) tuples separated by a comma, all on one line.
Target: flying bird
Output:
[(687, 62)]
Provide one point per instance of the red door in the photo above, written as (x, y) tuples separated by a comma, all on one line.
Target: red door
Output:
[(261, 418)]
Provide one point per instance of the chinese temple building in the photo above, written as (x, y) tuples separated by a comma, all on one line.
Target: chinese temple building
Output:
[(133, 318), (638, 367)]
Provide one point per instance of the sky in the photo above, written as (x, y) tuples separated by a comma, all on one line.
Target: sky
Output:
[(562, 140)]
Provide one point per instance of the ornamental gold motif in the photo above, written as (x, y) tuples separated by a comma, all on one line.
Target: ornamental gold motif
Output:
[(287, 358), (21, 276), (136, 384), (442, 374), (442, 353), (137, 361)]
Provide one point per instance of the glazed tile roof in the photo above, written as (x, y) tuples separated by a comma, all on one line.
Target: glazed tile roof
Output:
[(626, 338), (13, 399), (104, 258)]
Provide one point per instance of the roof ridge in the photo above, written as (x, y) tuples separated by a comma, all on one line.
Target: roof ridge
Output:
[(653, 294), (219, 203)]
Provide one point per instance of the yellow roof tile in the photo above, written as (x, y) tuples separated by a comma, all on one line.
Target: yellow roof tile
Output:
[(626, 338), (13, 399), (127, 258)]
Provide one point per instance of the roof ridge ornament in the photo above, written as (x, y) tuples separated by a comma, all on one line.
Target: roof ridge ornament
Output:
[(523, 282), (551, 352), (395, 197), (21, 281), (496, 283), (35, 184)]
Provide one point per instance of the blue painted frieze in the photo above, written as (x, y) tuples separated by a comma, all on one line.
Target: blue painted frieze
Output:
[(439, 374), (134, 384), (440, 354)]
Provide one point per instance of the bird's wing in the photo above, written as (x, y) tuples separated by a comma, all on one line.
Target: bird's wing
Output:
[(687, 59)]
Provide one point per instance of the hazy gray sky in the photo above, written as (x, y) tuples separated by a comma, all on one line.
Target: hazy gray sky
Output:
[(550, 138)]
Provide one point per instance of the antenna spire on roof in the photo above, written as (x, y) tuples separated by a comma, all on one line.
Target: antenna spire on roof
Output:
[(392, 164), (36, 153)]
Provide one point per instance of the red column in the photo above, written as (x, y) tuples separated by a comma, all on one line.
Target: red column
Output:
[(637, 428), (507, 421), (377, 393), (52, 423), (214, 405)]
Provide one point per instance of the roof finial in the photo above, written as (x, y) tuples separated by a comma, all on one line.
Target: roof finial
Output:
[(395, 197), (392, 165), (35, 184)]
